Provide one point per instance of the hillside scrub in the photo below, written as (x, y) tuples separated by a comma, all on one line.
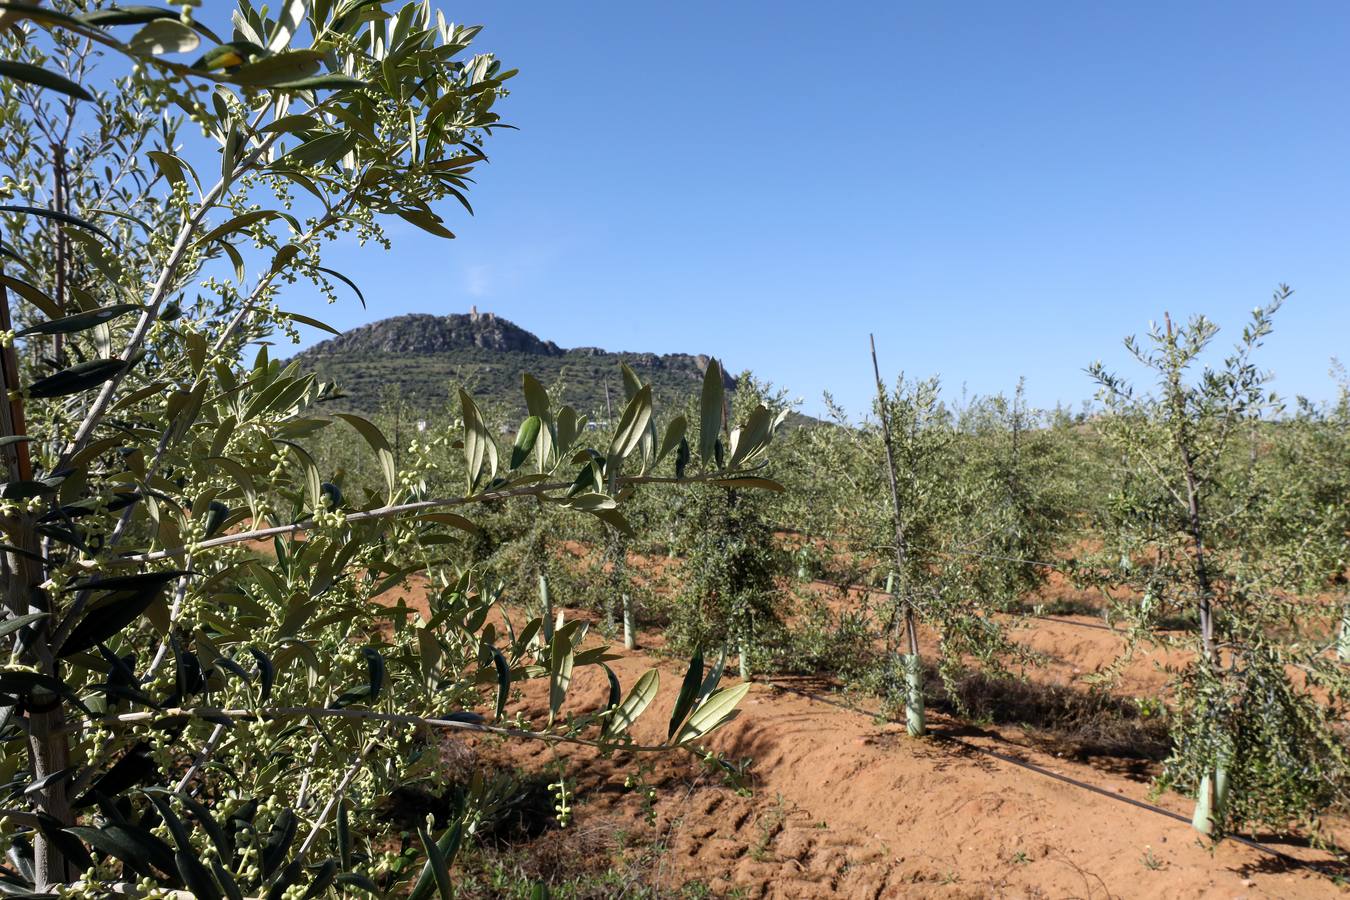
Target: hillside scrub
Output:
[(420, 355)]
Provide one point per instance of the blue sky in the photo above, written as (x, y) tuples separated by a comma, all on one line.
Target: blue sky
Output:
[(994, 189)]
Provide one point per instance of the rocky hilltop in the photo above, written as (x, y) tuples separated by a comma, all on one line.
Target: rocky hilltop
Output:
[(422, 333), (419, 359)]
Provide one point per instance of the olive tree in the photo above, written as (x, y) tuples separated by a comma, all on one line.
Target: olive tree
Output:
[(1303, 469), (205, 690), (1260, 704), (1025, 507), (728, 597), (976, 509)]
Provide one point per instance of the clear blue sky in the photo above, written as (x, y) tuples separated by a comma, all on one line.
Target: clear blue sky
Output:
[(995, 189)]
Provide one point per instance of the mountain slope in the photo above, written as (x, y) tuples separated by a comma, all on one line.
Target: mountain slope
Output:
[(422, 358)]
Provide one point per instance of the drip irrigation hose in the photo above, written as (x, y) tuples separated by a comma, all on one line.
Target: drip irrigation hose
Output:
[(1292, 861)]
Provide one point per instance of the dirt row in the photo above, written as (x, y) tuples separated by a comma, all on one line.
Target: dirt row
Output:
[(844, 804)]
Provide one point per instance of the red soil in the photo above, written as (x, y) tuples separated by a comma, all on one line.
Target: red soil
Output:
[(847, 805)]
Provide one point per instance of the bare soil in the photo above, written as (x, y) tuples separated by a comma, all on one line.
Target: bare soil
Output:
[(844, 804)]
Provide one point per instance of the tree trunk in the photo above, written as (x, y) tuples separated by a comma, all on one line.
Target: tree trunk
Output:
[(49, 747), (1208, 815), (1204, 603)]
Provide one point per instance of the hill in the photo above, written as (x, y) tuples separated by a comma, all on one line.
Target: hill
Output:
[(421, 358)]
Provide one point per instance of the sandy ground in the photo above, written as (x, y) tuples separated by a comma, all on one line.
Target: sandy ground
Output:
[(844, 804)]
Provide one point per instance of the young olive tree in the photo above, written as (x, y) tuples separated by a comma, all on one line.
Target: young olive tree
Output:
[(1260, 706), (913, 440), (1025, 508), (205, 692), (1303, 469), (919, 513), (729, 595)]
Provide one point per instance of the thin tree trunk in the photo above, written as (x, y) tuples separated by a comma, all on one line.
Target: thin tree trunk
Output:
[(1194, 519), (1204, 603), (23, 574), (616, 597), (744, 653)]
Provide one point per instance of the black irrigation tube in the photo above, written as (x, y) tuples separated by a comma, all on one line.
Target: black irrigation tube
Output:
[(1141, 804), (1286, 858), (1033, 767)]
